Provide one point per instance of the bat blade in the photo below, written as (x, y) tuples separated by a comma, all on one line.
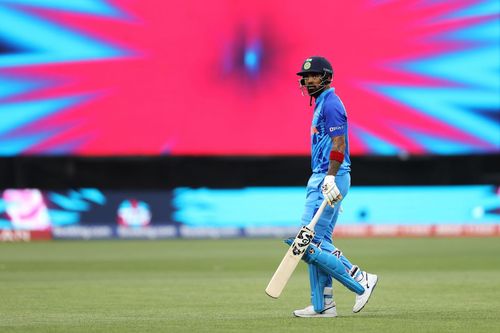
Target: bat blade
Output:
[(283, 273), (293, 256)]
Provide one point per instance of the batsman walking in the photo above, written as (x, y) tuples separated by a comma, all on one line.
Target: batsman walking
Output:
[(330, 180)]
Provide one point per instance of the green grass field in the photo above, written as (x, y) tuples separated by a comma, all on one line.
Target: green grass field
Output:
[(426, 285)]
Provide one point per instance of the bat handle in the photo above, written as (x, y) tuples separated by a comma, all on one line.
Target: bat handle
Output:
[(317, 215)]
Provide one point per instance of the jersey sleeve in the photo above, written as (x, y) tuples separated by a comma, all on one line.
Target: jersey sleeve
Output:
[(335, 118)]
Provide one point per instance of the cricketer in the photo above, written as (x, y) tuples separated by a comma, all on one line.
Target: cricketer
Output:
[(330, 180)]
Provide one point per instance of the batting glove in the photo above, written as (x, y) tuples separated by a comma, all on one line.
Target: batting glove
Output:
[(330, 190)]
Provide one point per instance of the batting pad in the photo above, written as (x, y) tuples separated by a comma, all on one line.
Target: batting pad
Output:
[(330, 264)]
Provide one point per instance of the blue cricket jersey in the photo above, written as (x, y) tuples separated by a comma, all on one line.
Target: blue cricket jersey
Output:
[(329, 120)]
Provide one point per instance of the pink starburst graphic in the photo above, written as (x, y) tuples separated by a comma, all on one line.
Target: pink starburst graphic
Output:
[(145, 78)]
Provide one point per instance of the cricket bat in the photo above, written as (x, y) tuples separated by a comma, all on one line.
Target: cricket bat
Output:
[(293, 256)]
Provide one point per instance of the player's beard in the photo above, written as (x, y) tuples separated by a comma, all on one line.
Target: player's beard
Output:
[(315, 91)]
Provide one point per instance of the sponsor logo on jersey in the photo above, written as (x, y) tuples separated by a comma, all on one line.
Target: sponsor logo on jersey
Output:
[(336, 128)]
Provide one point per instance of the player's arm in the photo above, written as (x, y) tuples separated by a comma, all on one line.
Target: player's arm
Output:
[(336, 123), (329, 188), (336, 155)]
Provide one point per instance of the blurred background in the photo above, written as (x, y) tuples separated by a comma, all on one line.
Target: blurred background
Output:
[(158, 120)]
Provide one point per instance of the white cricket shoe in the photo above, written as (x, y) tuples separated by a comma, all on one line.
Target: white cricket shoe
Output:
[(308, 312), (369, 282)]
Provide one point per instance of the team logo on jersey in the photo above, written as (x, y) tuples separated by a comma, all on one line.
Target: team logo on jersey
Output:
[(307, 65)]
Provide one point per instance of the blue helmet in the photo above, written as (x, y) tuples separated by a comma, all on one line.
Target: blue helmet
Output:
[(317, 65)]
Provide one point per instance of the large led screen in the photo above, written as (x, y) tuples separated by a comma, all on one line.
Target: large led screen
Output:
[(88, 213), (124, 77)]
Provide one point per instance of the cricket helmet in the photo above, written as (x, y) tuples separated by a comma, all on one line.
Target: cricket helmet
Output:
[(317, 65)]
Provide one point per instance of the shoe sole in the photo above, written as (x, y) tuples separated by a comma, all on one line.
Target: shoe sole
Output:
[(373, 289), (317, 315)]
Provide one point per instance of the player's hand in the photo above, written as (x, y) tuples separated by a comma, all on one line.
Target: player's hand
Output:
[(330, 190)]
